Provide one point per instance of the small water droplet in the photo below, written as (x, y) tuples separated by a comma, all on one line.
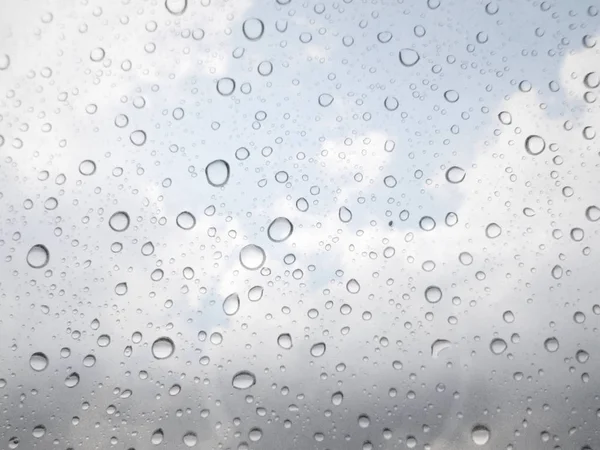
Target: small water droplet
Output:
[(551, 344), (345, 214), (493, 230), (72, 380), (87, 167), (119, 221), (176, 7), (138, 137), (325, 100), (408, 57), (592, 213), (186, 220), (439, 346), (226, 86), (253, 29), (455, 174), (353, 286), (337, 398), (534, 145), (433, 294), (217, 173), (427, 223), (252, 257), (39, 431)]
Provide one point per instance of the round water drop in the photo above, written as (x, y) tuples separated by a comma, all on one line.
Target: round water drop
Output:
[(252, 257), (384, 37), (480, 435), (280, 229), (138, 137), (551, 344), (493, 230), (455, 174), (534, 144), (231, 304), (121, 289), (176, 7), (39, 431), (433, 294), (186, 220), (345, 214), (318, 349), (255, 293), (302, 204), (408, 57), (147, 248), (285, 341), (38, 361), (508, 316), (157, 437), (592, 213), (451, 219), (265, 68), (592, 80), (337, 398), (498, 346), (87, 167), (253, 29), (242, 153), (557, 272), (217, 173), (103, 340), (439, 346), (427, 223), (451, 96), (243, 380), (226, 86), (174, 390), (353, 286), (391, 103), (119, 221), (38, 256), (89, 361), (163, 348), (190, 439), (582, 356), (97, 54), (72, 380), (325, 100)]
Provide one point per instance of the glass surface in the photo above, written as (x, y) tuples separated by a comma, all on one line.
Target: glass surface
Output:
[(293, 224)]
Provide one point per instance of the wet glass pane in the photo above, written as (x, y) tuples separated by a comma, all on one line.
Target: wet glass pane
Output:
[(278, 224)]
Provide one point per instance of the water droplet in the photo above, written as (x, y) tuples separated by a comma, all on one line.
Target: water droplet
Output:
[(138, 137), (455, 174), (384, 37), (551, 344), (302, 204), (592, 80), (39, 431), (176, 7), (433, 294), (231, 304), (72, 380), (147, 248), (498, 346), (508, 317), (285, 341), (592, 213), (38, 361), (253, 29), (582, 356), (353, 286), (119, 221), (217, 173), (89, 361), (480, 435), (391, 103), (493, 230), (408, 57), (190, 439), (226, 86), (337, 398), (280, 229), (505, 117), (439, 346), (157, 437), (345, 214), (325, 100), (163, 348), (255, 293), (318, 349), (186, 220), (243, 380), (557, 272), (38, 256), (87, 167), (427, 223), (265, 68), (252, 257), (534, 145), (451, 96)]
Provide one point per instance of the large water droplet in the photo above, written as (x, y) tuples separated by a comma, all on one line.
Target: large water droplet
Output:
[(427, 223), (163, 348), (592, 213), (252, 257), (186, 220), (243, 380), (253, 29), (337, 398), (433, 294), (534, 145), (325, 100), (285, 341), (176, 7), (39, 431), (38, 361), (138, 137), (439, 346), (217, 173), (119, 221), (353, 286), (345, 214), (280, 229), (480, 435), (255, 293), (87, 167), (38, 256), (551, 344), (455, 174), (498, 346), (231, 304), (157, 436), (493, 230), (318, 349), (72, 380), (408, 57), (190, 439), (226, 86)]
